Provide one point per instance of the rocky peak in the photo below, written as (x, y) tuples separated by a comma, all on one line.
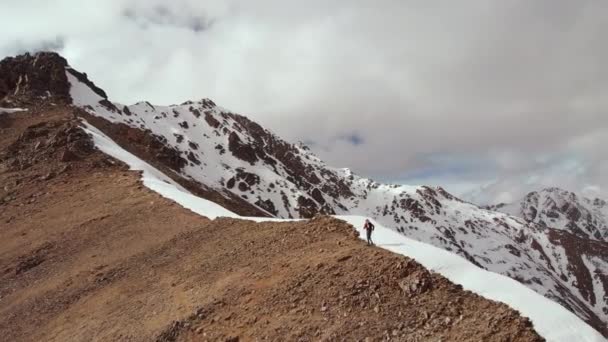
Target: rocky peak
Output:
[(30, 78), (27, 77)]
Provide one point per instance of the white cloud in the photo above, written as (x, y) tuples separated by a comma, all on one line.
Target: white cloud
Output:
[(517, 88)]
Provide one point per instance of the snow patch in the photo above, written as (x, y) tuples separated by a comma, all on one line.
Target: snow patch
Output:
[(12, 110)]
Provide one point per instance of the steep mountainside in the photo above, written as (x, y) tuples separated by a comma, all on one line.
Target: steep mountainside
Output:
[(231, 160), (89, 254), (560, 209)]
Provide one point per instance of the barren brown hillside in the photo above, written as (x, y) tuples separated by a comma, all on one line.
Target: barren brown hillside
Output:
[(89, 254)]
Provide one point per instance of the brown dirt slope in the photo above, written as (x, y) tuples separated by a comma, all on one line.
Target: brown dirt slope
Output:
[(89, 254)]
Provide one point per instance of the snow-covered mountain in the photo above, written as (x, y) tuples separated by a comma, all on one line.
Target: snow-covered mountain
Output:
[(561, 209), (235, 162)]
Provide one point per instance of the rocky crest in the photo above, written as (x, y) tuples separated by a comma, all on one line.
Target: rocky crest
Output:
[(27, 78), (231, 160)]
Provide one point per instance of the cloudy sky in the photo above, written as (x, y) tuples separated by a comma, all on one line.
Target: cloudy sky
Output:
[(487, 98)]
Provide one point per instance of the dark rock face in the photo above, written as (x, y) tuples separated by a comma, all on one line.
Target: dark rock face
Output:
[(318, 196), (192, 145), (240, 149), (220, 149), (250, 179), (246, 181), (126, 110), (230, 183), (193, 158), (213, 122), (267, 205), (195, 112), (110, 106), (307, 207), (27, 78)]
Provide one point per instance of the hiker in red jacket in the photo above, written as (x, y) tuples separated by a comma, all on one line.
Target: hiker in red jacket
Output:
[(369, 227)]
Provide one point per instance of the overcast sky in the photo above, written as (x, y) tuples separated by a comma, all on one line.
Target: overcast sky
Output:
[(488, 98)]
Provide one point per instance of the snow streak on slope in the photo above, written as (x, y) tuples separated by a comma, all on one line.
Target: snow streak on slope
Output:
[(156, 180), (559, 325), (11, 110), (228, 152)]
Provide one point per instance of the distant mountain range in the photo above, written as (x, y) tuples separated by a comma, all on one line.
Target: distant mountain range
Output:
[(561, 209)]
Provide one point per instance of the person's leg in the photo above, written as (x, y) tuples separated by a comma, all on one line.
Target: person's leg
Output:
[(369, 237)]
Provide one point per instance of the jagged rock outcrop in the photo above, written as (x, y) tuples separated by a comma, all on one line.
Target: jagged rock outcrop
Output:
[(26, 78)]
